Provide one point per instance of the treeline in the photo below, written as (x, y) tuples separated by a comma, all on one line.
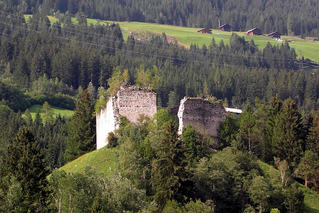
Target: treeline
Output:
[(51, 135), (268, 15), (78, 54)]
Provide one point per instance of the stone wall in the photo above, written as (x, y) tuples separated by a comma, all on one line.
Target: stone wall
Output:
[(130, 102), (203, 115), (134, 101)]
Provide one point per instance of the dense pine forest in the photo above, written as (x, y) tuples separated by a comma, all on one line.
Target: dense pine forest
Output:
[(294, 17), (79, 66)]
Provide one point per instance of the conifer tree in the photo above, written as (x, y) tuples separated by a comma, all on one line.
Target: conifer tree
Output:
[(196, 146), (169, 174), (25, 164), (288, 138), (81, 134), (312, 142), (48, 112)]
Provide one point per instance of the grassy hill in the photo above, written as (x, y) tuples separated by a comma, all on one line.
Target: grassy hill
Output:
[(186, 36), (55, 110), (102, 161), (105, 160)]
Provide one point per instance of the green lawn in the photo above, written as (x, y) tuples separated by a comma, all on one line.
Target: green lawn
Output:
[(56, 111), (186, 36), (102, 161)]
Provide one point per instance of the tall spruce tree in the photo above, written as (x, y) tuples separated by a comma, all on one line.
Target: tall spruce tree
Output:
[(81, 134), (170, 178), (288, 137), (26, 169)]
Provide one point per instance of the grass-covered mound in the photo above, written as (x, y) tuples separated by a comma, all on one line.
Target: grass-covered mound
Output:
[(102, 161)]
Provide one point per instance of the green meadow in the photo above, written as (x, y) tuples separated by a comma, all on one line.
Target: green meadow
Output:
[(186, 36), (56, 111)]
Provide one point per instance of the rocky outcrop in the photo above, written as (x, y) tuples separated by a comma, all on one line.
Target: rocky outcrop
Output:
[(201, 114)]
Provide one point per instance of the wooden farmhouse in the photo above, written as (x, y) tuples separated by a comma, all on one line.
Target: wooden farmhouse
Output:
[(274, 35), (254, 31), (205, 30), (312, 38), (225, 27)]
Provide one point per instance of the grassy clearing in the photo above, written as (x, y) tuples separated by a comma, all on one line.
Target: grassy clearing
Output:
[(102, 161), (55, 110)]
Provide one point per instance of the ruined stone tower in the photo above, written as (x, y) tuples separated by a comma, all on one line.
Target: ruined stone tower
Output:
[(130, 102), (204, 116)]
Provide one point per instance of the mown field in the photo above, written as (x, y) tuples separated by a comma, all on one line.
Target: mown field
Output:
[(186, 36), (55, 111)]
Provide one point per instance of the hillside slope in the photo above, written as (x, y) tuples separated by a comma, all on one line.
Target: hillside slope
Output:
[(311, 198), (185, 36), (299, 17), (102, 161), (105, 160)]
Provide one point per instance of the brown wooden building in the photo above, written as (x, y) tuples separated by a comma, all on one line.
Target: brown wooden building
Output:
[(225, 27), (254, 31), (274, 35), (205, 30)]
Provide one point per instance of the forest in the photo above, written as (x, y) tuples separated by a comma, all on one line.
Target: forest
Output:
[(296, 17), (79, 66)]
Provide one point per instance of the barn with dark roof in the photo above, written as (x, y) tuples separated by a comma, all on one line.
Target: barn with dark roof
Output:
[(225, 27), (254, 31)]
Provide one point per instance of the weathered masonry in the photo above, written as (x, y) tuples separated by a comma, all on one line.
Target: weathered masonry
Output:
[(130, 102), (203, 115)]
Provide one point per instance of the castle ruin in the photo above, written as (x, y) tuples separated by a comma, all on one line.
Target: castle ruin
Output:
[(204, 116), (130, 102)]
